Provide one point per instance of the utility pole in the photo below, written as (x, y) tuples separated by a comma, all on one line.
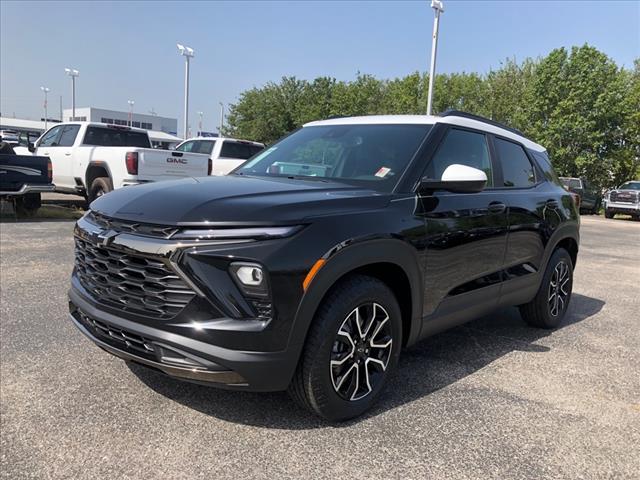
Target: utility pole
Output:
[(45, 90), (221, 118), (61, 119), (187, 53), (200, 114), (439, 8), (73, 73), (130, 102)]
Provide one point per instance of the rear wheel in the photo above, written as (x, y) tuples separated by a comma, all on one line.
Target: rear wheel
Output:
[(99, 186), (550, 304), (28, 205), (352, 347)]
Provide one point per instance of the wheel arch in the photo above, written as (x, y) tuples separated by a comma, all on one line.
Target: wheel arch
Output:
[(96, 169), (393, 261)]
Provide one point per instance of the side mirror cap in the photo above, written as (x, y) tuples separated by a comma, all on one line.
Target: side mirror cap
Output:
[(457, 179), (31, 147)]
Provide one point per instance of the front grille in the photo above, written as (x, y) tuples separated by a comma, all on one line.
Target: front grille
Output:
[(117, 337), (133, 283), (124, 226), (623, 197)]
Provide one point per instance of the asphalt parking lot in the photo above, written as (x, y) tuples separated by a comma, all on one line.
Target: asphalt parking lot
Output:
[(492, 399)]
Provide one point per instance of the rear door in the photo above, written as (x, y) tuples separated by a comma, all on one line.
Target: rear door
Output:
[(535, 210), (465, 234)]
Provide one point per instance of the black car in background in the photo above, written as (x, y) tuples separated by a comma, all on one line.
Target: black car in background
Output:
[(313, 265), (590, 197)]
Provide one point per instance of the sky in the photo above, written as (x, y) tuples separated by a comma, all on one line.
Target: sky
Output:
[(127, 50)]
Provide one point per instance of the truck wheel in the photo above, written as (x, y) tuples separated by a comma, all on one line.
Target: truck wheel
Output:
[(550, 304), (99, 187), (352, 347), (28, 205), (608, 213)]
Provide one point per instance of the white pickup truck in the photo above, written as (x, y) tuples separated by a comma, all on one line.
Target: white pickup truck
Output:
[(94, 158), (225, 153)]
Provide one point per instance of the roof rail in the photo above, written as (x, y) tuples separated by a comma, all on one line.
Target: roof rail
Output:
[(458, 113)]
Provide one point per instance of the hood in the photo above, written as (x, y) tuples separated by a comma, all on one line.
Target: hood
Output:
[(234, 200)]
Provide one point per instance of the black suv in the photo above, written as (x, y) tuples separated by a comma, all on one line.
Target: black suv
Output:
[(311, 266)]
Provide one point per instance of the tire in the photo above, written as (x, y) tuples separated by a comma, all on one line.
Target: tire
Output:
[(608, 213), (549, 306), (100, 186), (328, 380), (28, 205)]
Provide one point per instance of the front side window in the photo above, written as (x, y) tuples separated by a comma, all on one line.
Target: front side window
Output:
[(197, 146), (517, 170), (50, 139), (463, 148), (69, 134), (368, 155)]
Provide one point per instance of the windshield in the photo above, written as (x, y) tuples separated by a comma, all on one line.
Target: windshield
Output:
[(368, 155), (630, 186)]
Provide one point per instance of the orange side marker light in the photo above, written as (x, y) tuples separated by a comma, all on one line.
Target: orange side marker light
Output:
[(312, 273)]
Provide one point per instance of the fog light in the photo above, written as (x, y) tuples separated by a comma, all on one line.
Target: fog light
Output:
[(249, 275), (251, 278)]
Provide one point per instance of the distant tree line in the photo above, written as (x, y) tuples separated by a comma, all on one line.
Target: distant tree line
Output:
[(579, 104)]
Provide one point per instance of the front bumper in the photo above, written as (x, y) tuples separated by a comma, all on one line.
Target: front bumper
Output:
[(619, 207), (179, 356)]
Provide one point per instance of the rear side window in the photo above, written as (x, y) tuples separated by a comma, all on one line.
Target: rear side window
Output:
[(113, 137), (69, 134), (463, 148), (517, 171), (547, 169), (239, 150)]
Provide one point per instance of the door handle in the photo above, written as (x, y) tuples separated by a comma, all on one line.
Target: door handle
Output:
[(552, 203), (496, 207)]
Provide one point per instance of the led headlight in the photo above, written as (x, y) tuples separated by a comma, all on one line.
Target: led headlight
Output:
[(251, 278), (254, 233)]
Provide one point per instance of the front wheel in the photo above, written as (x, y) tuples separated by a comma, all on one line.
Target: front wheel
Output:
[(608, 213), (352, 347), (550, 304)]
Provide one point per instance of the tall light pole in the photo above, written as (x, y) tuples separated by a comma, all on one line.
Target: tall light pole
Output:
[(221, 117), (73, 73), (45, 90), (130, 102), (439, 8), (187, 53), (200, 114)]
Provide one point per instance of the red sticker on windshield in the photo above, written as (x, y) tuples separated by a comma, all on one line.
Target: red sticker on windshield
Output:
[(383, 172)]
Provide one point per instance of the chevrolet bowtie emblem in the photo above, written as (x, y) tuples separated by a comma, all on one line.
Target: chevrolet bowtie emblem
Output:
[(106, 237)]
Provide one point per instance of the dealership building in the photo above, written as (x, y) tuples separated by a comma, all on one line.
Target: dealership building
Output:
[(162, 130)]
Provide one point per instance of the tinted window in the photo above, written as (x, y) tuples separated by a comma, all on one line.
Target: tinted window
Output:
[(113, 137), (370, 155), (239, 150), (186, 146), (197, 146), (545, 165), (463, 148), (50, 139), (69, 133), (517, 170)]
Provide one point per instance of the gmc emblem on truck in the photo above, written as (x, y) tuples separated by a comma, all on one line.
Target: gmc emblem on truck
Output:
[(177, 160)]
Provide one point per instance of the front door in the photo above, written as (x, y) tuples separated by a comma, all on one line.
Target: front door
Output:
[(57, 144), (466, 236)]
